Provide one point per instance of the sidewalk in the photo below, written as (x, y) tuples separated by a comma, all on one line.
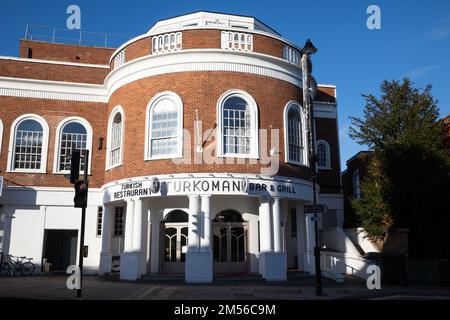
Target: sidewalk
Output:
[(98, 288)]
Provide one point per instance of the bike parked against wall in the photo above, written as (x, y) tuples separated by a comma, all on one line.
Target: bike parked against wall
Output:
[(11, 266)]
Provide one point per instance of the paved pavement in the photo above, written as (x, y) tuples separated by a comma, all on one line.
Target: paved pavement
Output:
[(296, 288)]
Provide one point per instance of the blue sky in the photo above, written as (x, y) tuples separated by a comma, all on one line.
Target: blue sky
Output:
[(414, 39)]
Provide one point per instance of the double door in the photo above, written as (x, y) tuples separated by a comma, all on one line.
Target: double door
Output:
[(175, 245), (230, 247)]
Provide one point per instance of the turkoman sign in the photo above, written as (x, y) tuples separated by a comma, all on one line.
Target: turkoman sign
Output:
[(168, 186)]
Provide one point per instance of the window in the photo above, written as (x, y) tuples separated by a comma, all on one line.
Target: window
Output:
[(164, 127), (295, 134), (293, 223), (115, 138), (237, 41), (119, 59), (168, 42), (119, 214), (73, 133), (99, 221), (291, 55), (28, 144), (237, 129), (356, 184), (323, 155), (1, 135)]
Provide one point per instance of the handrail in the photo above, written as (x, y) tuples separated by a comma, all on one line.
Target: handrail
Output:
[(66, 36)]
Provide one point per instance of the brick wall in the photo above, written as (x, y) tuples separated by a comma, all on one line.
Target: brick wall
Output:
[(206, 39), (56, 72), (53, 111), (329, 180), (191, 87), (65, 52)]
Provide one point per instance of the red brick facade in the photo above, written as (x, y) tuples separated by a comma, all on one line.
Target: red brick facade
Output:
[(197, 90)]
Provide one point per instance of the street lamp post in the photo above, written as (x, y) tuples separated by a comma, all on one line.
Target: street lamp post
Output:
[(306, 51)]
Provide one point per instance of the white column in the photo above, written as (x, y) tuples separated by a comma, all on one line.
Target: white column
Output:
[(137, 226), (265, 225), (206, 215), (105, 255), (106, 229), (129, 219), (301, 236), (193, 235), (276, 212)]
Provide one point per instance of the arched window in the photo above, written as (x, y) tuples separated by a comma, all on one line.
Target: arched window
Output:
[(164, 134), (115, 138), (176, 216), (356, 184), (72, 133), (295, 134), (238, 125), (323, 155), (28, 144), (229, 216)]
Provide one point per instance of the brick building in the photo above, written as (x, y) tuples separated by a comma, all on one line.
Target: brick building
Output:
[(198, 144)]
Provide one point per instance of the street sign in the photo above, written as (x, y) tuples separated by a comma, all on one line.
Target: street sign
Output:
[(315, 208), (1, 185)]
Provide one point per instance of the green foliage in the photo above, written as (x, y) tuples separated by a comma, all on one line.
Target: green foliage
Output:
[(408, 184)]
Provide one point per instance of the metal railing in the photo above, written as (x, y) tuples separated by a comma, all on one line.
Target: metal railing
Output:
[(76, 37)]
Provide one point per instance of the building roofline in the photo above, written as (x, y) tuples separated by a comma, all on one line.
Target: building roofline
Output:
[(357, 155), (217, 12)]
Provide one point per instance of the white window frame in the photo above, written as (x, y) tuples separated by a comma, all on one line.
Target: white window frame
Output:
[(1, 135), (57, 150), (298, 106), (12, 143), (254, 153), (116, 110), (328, 154), (149, 120), (356, 184)]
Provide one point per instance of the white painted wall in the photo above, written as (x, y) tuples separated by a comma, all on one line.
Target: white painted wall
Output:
[(54, 210)]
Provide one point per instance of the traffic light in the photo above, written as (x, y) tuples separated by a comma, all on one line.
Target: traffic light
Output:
[(75, 165), (81, 194)]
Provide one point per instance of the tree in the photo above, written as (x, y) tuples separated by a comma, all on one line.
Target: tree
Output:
[(408, 184)]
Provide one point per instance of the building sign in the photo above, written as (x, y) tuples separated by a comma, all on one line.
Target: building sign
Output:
[(315, 208), (207, 185), (1, 185)]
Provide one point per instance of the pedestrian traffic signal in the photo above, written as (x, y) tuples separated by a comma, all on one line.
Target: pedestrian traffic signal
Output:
[(81, 194), (75, 165)]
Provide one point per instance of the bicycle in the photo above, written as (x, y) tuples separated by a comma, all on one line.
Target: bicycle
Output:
[(18, 265)]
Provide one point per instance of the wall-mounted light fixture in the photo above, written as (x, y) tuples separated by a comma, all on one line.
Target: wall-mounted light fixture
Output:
[(100, 143)]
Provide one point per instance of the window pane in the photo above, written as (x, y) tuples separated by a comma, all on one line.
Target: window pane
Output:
[(236, 126), (164, 129), (28, 145), (294, 130), (74, 136), (116, 140)]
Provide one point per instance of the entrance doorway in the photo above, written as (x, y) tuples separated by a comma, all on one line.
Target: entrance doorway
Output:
[(175, 235), (60, 248), (230, 243)]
